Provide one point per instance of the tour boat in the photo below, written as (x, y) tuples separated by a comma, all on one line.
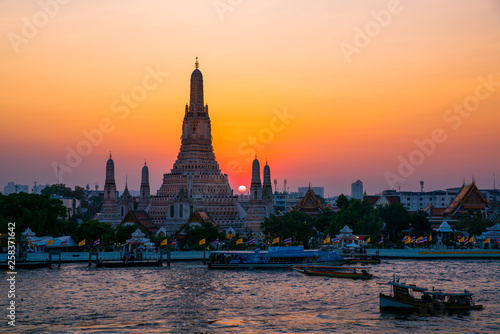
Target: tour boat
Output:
[(332, 271), (411, 297), (274, 257)]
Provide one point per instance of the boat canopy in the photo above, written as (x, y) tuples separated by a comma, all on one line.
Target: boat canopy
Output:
[(412, 287)]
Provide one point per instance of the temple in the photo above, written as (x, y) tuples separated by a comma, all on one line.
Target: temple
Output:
[(196, 182)]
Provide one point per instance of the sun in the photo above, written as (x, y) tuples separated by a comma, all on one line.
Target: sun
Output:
[(242, 189)]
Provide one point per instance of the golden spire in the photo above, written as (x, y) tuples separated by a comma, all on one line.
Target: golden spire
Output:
[(196, 64), (145, 162), (110, 154)]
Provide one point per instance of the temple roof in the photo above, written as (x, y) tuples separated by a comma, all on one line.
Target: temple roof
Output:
[(309, 202), (142, 220), (469, 197)]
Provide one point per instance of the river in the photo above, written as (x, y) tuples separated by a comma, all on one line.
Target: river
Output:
[(189, 298)]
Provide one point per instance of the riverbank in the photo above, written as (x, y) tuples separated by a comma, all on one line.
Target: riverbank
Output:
[(414, 253)]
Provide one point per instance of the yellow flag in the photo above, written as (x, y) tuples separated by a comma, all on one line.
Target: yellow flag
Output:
[(471, 239), (50, 242), (276, 240), (239, 241), (462, 239), (202, 241), (229, 235), (82, 243), (487, 241), (408, 240), (327, 240), (164, 242), (430, 237), (367, 240)]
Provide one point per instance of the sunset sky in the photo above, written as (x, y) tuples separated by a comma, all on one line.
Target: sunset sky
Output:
[(327, 91)]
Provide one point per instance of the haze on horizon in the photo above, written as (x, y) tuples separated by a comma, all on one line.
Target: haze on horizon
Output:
[(327, 91)]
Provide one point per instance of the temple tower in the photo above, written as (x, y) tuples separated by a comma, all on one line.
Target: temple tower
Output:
[(195, 181), (145, 193), (109, 211)]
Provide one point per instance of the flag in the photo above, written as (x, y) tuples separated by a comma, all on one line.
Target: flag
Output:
[(367, 240), (473, 240), (288, 241), (82, 243), (462, 239), (238, 242), (50, 242), (421, 240), (335, 240), (487, 241), (229, 235), (405, 238), (412, 239), (202, 241), (327, 240), (408, 240), (444, 239), (64, 242), (276, 240), (97, 242), (387, 237), (252, 241), (430, 237), (381, 240), (157, 249), (466, 241), (174, 242), (498, 241), (164, 242), (216, 241)]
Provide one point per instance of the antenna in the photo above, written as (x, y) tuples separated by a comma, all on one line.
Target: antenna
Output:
[(275, 185), (421, 186), (58, 169)]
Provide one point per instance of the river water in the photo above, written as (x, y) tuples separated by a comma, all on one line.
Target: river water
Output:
[(189, 298)]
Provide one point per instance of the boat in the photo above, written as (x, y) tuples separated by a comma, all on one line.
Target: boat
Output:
[(333, 271), (359, 256), (411, 297), (274, 257)]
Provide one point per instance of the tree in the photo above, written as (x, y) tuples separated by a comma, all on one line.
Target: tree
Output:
[(420, 223), (124, 233), (40, 213), (342, 202), (93, 230), (296, 224), (473, 223), (195, 233), (396, 218)]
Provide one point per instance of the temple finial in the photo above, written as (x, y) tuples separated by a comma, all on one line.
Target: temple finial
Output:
[(196, 64), (145, 162), (110, 154)]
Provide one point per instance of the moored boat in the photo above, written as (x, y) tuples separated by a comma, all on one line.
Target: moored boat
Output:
[(411, 297), (334, 271), (274, 257)]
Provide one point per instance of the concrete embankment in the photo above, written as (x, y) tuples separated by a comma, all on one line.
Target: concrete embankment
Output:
[(413, 253), (419, 253)]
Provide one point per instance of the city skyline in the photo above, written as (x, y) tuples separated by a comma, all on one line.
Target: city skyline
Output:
[(390, 93)]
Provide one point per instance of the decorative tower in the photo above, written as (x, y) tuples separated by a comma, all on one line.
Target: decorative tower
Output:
[(109, 211), (195, 182), (255, 185), (126, 202), (267, 188), (145, 194)]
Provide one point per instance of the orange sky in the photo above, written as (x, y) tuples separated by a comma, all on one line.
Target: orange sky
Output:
[(65, 67)]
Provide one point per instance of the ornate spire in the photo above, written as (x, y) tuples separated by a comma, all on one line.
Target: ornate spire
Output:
[(145, 162), (196, 64), (110, 154)]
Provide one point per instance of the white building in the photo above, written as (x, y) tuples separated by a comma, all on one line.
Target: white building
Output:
[(357, 190)]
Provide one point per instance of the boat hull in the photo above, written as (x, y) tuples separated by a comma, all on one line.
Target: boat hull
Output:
[(336, 274), (389, 302)]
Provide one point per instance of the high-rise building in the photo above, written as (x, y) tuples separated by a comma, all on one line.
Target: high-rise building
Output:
[(196, 181), (357, 190)]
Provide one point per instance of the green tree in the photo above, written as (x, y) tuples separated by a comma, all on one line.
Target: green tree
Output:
[(296, 224), (124, 233), (93, 230), (473, 223), (420, 223), (396, 218), (195, 233), (40, 213), (342, 202)]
